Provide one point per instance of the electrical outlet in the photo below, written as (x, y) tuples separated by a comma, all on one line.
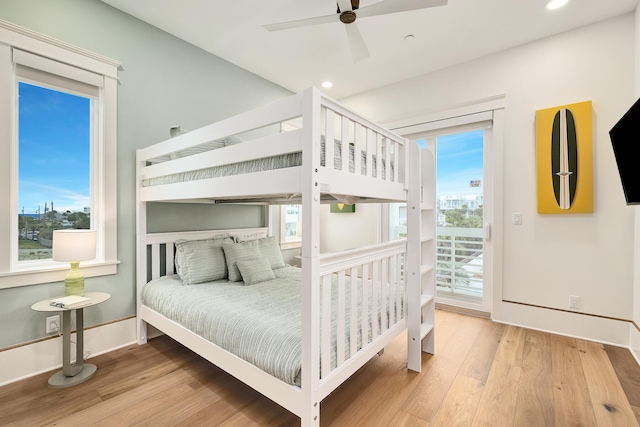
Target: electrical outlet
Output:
[(574, 301), (53, 324)]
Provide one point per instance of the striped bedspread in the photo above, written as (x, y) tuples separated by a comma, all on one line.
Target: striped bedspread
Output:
[(260, 323)]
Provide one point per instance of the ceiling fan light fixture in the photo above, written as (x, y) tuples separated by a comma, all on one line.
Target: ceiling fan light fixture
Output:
[(555, 4), (347, 17)]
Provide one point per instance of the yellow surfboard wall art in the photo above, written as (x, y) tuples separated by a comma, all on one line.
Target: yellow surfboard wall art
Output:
[(564, 159)]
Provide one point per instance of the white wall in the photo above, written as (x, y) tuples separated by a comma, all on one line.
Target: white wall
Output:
[(548, 257), (348, 230), (635, 333)]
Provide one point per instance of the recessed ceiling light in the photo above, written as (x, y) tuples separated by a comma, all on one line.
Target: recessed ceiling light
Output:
[(327, 84), (556, 4), (409, 37)]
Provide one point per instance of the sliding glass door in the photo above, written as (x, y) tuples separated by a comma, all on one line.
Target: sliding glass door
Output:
[(460, 217), (463, 210)]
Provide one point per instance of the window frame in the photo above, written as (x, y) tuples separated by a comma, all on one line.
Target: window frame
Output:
[(103, 164), (289, 242)]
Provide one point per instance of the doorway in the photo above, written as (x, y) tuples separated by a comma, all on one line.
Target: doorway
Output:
[(463, 244), (464, 209), (460, 243)]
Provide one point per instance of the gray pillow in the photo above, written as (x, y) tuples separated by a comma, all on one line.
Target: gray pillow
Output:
[(235, 252), (207, 146), (256, 270), (232, 140), (270, 249), (246, 237), (197, 149), (199, 261)]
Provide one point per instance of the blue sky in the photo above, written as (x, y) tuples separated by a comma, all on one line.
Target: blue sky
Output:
[(53, 139), (459, 161)]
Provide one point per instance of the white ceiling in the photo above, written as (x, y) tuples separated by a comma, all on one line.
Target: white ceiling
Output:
[(303, 57)]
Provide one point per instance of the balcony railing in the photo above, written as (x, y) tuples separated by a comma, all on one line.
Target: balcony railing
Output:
[(459, 261)]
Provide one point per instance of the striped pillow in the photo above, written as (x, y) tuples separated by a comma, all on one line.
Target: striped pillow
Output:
[(235, 252), (239, 238), (270, 249), (199, 261), (256, 270), (207, 146)]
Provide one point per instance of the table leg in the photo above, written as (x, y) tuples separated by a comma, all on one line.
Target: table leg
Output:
[(79, 339), (78, 372), (67, 368)]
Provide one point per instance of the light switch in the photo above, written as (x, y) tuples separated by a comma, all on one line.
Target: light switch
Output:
[(517, 219)]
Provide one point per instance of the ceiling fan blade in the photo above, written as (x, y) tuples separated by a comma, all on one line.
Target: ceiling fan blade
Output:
[(303, 22), (344, 5), (357, 45), (394, 6)]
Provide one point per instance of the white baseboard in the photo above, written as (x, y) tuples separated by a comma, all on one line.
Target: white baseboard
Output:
[(29, 360), (462, 310), (634, 343), (576, 325)]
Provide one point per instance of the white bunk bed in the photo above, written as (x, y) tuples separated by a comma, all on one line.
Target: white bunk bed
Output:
[(370, 164)]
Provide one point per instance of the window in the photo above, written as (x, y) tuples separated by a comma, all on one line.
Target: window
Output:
[(290, 226), (60, 135), (397, 221), (54, 164)]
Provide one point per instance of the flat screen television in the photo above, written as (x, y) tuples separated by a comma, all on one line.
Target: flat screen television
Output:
[(624, 137)]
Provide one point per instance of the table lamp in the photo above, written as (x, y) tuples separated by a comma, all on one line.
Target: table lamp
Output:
[(74, 246)]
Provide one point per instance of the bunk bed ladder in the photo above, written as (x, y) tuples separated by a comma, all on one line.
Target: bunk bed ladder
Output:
[(420, 256)]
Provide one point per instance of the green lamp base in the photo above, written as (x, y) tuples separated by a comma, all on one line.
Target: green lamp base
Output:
[(74, 282)]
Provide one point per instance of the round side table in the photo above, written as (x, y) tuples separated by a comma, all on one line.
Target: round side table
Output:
[(79, 371)]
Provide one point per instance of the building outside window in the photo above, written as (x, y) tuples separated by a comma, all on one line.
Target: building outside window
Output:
[(290, 226)]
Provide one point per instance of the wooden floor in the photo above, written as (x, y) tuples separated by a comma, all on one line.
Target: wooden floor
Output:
[(482, 374)]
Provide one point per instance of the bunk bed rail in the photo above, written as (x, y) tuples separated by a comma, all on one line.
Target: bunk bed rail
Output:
[(367, 282), (354, 156)]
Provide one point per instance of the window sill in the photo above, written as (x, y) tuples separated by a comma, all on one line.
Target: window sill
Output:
[(15, 279), (292, 244)]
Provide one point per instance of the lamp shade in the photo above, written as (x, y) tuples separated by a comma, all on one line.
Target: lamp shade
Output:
[(74, 245)]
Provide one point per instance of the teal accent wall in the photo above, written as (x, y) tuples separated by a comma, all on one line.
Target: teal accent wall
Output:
[(164, 81)]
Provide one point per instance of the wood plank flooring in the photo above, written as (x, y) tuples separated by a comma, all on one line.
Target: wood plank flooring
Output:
[(483, 374)]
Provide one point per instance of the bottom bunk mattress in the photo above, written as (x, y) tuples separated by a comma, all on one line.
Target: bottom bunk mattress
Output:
[(260, 323)]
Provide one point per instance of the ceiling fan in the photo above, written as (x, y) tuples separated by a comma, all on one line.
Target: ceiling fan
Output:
[(347, 13)]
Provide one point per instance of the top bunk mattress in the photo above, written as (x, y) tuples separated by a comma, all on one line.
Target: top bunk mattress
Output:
[(264, 164)]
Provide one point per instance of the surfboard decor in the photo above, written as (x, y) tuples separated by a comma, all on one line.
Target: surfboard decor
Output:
[(564, 159)]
